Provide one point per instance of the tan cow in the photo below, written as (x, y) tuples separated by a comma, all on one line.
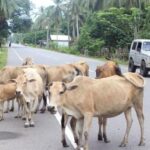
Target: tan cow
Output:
[(110, 68), (30, 88), (7, 92), (83, 67), (85, 98), (27, 61)]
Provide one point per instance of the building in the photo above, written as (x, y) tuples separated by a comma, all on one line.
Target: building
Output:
[(61, 40)]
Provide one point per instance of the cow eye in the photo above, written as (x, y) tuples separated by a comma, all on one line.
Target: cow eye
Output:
[(24, 83), (61, 92)]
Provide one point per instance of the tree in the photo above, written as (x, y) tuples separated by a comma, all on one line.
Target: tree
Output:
[(7, 7)]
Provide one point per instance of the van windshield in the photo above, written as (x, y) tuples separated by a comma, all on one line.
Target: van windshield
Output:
[(146, 46)]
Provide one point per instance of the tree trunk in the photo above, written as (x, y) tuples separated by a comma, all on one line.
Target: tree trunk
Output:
[(68, 31), (47, 43), (77, 26), (73, 31)]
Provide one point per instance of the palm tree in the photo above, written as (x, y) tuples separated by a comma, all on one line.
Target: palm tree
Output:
[(7, 7), (57, 14)]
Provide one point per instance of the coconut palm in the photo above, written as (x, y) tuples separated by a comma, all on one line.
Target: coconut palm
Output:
[(7, 7)]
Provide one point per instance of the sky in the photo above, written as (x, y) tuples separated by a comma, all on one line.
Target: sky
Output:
[(39, 3)]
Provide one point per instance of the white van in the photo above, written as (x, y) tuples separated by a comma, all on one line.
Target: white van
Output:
[(139, 56)]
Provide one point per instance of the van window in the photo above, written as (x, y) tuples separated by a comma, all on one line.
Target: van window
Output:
[(139, 46), (146, 46), (134, 46)]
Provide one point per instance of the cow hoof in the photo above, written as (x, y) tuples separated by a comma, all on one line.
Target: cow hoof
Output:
[(123, 145), (32, 125), (12, 109), (23, 118), (6, 111), (1, 119), (141, 144), (64, 143), (100, 137), (26, 125), (76, 141), (107, 141), (42, 110)]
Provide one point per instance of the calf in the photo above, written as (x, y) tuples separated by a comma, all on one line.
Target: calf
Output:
[(7, 92), (85, 98)]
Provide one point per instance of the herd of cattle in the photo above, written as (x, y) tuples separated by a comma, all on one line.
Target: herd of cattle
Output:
[(68, 87)]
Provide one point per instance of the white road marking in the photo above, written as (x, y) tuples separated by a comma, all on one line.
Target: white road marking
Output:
[(68, 131), (20, 58)]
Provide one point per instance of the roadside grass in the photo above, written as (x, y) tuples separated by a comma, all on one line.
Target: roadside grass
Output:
[(3, 57)]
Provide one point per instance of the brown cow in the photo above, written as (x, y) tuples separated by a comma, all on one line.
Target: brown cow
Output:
[(110, 68), (7, 92), (84, 98)]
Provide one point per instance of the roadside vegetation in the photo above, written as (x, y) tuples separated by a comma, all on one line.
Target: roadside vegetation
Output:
[(3, 57)]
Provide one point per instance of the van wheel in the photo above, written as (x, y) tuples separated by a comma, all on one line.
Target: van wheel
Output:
[(131, 66), (143, 69)]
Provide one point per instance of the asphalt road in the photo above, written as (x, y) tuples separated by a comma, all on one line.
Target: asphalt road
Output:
[(46, 135)]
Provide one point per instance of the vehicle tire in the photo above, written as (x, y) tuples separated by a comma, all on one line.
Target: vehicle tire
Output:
[(131, 66), (143, 69)]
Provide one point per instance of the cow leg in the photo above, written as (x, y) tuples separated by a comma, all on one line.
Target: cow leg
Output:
[(12, 105), (139, 111), (104, 130), (64, 121), (7, 107), (33, 109), (73, 122), (44, 103), (1, 111), (27, 113), (37, 105), (80, 123), (19, 105), (100, 138), (87, 124), (129, 121)]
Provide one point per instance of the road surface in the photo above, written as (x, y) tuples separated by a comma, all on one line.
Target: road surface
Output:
[(46, 135)]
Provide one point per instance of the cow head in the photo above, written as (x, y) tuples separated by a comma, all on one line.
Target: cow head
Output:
[(56, 92), (21, 84), (110, 68)]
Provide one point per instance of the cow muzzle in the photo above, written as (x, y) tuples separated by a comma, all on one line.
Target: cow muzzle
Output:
[(18, 93), (52, 109)]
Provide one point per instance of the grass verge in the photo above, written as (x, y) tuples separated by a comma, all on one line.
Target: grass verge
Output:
[(3, 57)]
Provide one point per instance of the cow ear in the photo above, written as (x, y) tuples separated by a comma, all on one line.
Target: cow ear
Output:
[(32, 80), (48, 85), (72, 87)]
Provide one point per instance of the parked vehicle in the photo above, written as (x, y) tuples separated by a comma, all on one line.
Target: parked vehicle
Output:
[(139, 56)]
